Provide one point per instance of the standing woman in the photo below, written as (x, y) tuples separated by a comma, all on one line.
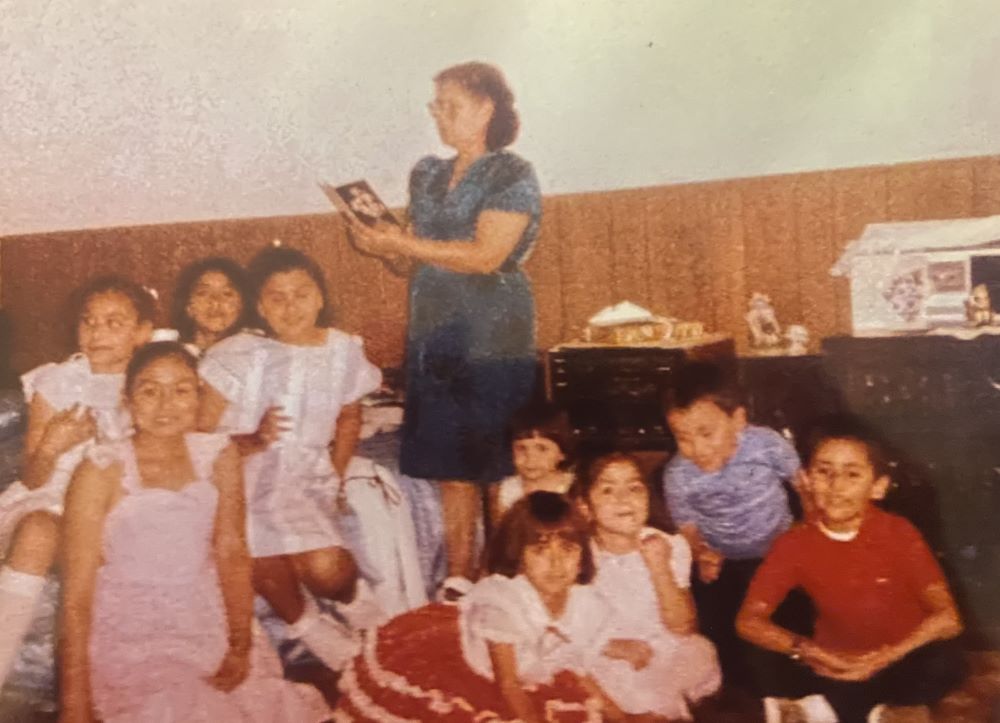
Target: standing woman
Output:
[(470, 354)]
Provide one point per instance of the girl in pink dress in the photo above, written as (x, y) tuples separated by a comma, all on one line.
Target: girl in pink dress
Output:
[(157, 602)]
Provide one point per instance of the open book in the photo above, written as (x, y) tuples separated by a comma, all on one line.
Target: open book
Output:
[(360, 202)]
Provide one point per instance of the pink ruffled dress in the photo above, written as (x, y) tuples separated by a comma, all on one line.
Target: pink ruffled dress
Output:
[(159, 627)]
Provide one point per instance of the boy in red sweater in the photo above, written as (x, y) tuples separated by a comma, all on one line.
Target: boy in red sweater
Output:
[(882, 648)]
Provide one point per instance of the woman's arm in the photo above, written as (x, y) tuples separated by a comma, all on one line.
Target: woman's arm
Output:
[(346, 438), (51, 434), (497, 233), (232, 559), (88, 500), (677, 611), (504, 661)]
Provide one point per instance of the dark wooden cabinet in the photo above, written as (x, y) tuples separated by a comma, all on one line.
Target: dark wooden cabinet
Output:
[(937, 402), (612, 393)]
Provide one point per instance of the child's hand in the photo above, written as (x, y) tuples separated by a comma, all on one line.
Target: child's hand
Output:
[(858, 668), (709, 564), (67, 429), (232, 671), (656, 552), (637, 653), (273, 424), (828, 663)]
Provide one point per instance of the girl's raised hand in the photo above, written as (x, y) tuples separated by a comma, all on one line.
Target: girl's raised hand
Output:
[(656, 552), (273, 424), (67, 429), (233, 670), (709, 564)]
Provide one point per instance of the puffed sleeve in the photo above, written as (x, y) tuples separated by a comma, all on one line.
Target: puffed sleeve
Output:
[(513, 187), (235, 368), (362, 377), (61, 385)]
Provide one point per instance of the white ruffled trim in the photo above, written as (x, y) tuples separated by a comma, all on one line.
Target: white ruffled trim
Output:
[(438, 701)]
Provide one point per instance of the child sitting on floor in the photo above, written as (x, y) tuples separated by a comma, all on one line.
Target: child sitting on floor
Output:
[(725, 490), (540, 447), (522, 644), (645, 574), (886, 617), (71, 404)]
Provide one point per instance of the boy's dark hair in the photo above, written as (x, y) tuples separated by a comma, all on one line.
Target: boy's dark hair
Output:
[(530, 519), (702, 381), (190, 275), (851, 428), (154, 351), (273, 260), (544, 419)]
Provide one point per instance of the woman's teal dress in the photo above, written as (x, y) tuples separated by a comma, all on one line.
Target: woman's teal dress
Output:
[(470, 350)]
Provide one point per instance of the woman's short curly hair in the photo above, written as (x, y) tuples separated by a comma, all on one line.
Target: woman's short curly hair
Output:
[(487, 81)]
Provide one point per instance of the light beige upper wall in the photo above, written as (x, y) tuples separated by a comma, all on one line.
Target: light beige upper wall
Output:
[(121, 113)]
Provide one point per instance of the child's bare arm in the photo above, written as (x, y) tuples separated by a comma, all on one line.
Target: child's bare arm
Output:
[(677, 611), (609, 709), (88, 500), (505, 674), (50, 434), (346, 439), (232, 560), (754, 624)]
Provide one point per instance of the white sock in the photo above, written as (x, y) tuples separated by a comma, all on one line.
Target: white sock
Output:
[(363, 612), (19, 594), (817, 709), (328, 639)]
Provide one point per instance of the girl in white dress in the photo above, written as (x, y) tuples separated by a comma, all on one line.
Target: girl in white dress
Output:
[(521, 645), (540, 447), (316, 376), (69, 405), (645, 574)]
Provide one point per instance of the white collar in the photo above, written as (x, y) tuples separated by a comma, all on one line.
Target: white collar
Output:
[(838, 536)]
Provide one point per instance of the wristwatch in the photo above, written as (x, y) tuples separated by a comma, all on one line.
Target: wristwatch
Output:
[(795, 653)]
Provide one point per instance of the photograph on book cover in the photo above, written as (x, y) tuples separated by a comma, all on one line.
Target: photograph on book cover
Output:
[(358, 200)]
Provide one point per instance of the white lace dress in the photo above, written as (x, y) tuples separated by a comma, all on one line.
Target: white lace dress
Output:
[(62, 386), (291, 486), (684, 668)]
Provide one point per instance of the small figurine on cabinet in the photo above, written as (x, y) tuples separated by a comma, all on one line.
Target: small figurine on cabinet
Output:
[(978, 308), (764, 329), (798, 340)]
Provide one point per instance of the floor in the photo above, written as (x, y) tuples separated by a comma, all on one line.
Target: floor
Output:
[(977, 701)]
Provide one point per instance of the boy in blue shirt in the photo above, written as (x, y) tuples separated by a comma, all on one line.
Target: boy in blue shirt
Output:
[(726, 492)]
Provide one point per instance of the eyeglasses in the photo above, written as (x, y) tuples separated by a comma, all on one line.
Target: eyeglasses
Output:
[(437, 107)]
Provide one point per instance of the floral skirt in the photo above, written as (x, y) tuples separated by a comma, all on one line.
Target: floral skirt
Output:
[(414, 670)]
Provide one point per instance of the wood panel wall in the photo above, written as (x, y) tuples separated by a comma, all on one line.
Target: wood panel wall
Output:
[(694, 251)]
